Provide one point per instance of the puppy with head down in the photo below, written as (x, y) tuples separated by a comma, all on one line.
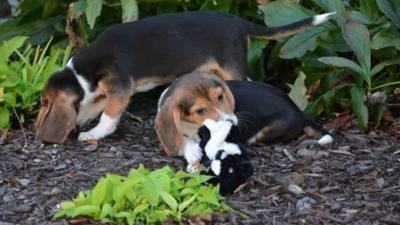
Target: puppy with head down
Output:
[(262, 113)]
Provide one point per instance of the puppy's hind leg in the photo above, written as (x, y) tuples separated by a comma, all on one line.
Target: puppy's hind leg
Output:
[(312, 129), (117, 98)]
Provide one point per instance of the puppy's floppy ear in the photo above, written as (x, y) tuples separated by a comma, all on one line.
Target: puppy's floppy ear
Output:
[(229, 95), (168, 129), (57, 117)]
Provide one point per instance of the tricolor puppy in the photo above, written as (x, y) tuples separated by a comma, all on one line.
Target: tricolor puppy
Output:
[(137, 56), (223, 157), (262, 112)]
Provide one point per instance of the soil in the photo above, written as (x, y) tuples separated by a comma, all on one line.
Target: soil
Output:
[(354, 181)]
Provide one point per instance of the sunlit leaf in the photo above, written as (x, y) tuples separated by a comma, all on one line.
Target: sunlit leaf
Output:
[(93, 10), (298, 92), (283, 12), (130, 10)]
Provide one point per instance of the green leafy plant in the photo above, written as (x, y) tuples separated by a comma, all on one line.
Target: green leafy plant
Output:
[(357, 38), (23, 73), (327, 53), (146, 197)]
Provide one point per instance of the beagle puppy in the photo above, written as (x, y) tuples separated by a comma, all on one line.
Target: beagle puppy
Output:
[(263, 113), (138, 56)]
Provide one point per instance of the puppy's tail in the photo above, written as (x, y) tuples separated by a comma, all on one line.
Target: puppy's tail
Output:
[(312, 129), (268, 33)]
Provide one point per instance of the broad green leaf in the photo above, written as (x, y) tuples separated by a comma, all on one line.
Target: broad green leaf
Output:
[(329, 99), (67, 205), (182, 206), (81, 199), (357, 38), (378, 110), (130, 10), (359, 107), (86, 210), (140, 208), (187, 191), (315, 108), (331, 5), (99, 192), (200, 209), (220, 5), (386, 38), (10, 46), (150, 191), (161, 215), (169, 199), (384, 64), (345, 63), (391, 8), (332, 41), (128, 216), (10, 98), (283, 12), (254, 59), (207, 195), (298, 92), (369, 8), (106, 211), (93, 10), (360, 18), (299, 44), (4, 117)]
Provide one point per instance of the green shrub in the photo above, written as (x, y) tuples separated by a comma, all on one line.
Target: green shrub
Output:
[(146, 197), (23, 73), (341, 47)]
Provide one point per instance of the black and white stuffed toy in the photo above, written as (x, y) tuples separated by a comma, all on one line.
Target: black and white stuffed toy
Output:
[(223, 156)]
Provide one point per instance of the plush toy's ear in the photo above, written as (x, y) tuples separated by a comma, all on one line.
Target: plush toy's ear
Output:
[(168, 129), (204, 135)]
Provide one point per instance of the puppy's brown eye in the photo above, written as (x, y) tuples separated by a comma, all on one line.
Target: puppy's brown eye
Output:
[(221, 98), (201, 111)]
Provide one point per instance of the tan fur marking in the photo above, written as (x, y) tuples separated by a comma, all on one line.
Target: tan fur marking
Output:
[(117, 100), (211, 66), (311, 132), (265, 131), (283, 34)]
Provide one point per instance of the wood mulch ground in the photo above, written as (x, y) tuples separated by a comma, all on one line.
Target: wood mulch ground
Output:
[(355, 181)]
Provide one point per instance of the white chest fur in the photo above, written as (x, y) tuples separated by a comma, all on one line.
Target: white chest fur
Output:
[(88, 108)]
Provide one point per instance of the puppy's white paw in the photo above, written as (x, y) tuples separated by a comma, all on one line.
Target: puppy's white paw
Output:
[(85, 136), (193, 168), (193, 155)]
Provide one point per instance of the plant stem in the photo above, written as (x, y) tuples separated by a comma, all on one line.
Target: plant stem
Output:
[(22, 128), (385, 85)]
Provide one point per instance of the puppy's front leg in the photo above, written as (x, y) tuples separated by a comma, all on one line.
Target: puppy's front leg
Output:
[(106, 126), (117, 99), (192, 153)]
